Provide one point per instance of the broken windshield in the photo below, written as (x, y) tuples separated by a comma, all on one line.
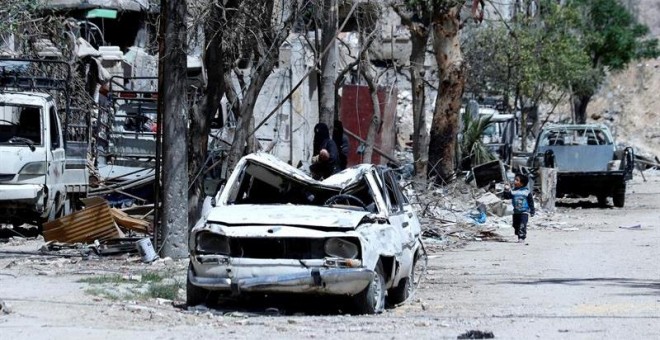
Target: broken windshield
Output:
[(20, 125), (260, 184)]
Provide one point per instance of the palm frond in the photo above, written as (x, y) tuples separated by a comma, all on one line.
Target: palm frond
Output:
[(473, 150)]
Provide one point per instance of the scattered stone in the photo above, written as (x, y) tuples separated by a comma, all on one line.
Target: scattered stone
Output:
[(4, 309), (475, 334)]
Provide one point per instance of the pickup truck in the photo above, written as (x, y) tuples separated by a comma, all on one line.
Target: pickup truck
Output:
[(586, 160), (43, 146)]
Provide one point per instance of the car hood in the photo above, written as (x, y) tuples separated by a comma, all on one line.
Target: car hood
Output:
[(286, 215)]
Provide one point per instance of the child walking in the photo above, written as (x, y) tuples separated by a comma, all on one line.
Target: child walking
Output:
[(523, 205)]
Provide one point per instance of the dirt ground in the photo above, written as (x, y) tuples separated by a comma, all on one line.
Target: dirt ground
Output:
[(585, 273)]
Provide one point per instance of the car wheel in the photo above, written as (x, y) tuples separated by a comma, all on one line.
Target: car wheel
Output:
[(372, 299), (405, 289), (195, 295)]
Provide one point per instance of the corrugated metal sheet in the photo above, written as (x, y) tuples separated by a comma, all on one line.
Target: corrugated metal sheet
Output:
[(95, 222)]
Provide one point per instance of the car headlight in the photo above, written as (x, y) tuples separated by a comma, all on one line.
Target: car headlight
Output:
[(34, 168), (210, 243), (338, 247)]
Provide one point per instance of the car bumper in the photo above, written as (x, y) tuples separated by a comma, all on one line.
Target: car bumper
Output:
[(22, 192), (280, 277)]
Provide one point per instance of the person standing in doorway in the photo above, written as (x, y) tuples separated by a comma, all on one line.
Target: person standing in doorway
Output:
[(523, 205)]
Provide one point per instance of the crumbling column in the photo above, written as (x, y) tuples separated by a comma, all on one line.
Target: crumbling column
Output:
[(548, 185)]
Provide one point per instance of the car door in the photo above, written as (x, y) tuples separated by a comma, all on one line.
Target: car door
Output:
[(402, 218), (56, 155)]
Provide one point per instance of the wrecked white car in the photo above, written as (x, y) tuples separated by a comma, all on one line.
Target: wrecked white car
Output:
[(274, 229)]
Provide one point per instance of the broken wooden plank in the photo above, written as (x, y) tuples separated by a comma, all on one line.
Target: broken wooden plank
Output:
[(95, 222), (131, 223)]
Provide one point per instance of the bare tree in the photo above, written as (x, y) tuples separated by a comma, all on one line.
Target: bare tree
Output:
[(174, 109), (253, 49), (418, 20), (328, 62), (446, 24), (213, 22), (451, 73)]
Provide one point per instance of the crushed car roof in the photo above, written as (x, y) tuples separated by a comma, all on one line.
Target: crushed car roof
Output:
[(339, 180)]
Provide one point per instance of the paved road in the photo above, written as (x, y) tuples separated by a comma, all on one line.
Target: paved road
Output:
[(588, 278), (580, 277)]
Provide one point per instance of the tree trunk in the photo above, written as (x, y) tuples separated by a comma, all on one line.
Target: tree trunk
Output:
[(374, 125), (420, 138), (328, 63), (444, 129), (257, 79), (202, 115), (173, 105), (580, 103)]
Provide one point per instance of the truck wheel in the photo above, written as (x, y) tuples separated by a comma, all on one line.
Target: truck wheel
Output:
[(372, 299), (619, 198), (602, 200)]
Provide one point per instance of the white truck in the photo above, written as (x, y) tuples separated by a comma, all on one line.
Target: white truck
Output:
[(43, 147)]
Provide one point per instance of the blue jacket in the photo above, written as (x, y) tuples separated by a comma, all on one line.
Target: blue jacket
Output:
[(522, 200)]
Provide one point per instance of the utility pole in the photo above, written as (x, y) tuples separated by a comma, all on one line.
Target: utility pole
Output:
[(328, 63), (173, 109)]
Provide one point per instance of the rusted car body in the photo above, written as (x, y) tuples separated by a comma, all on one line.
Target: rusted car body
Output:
[(586, 160), (275, 229)]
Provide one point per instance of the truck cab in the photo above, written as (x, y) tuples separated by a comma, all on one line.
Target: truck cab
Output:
[(37, 179), (33, 158)]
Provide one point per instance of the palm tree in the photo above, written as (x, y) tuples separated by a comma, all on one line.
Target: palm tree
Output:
[(473, 151)]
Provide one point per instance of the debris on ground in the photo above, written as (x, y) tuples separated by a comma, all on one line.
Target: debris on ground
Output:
[(97, 228), (3, 308), (474, 334), (632, 227), (94, 222)]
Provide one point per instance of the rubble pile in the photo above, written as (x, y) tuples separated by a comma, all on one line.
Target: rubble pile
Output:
[(459, 212)]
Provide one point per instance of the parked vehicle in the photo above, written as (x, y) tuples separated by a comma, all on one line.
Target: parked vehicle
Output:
[(498, 137), (275, 229), (586, 160), (43, 168)]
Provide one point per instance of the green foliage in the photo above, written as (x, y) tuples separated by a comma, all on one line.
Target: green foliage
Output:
[(164, 291), (103, 279), (151, 277), (611, 35), (530, 56), (151, 285), (473, 150), (566, 48)]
